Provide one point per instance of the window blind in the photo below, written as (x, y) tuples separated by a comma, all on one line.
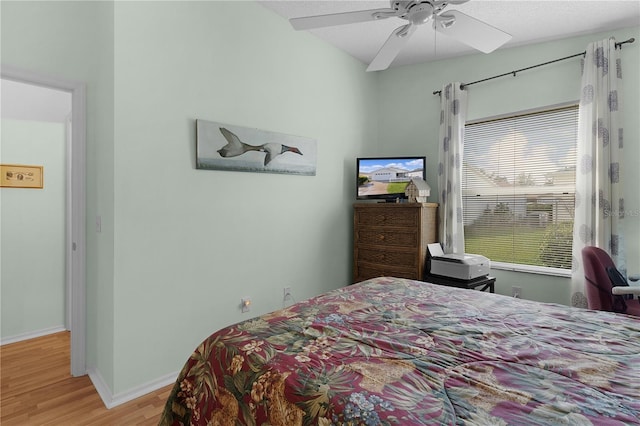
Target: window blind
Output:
[(519, 187)]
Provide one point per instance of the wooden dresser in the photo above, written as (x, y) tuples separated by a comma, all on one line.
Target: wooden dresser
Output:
[(391, 239)]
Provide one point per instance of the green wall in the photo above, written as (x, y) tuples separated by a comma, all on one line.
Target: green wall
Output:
[(189, 244), (32, 264), (73, 40), (410, 114), (179, 247)]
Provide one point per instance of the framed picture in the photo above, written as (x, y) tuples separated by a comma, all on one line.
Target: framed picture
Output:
[(222, 146), (21, 176)]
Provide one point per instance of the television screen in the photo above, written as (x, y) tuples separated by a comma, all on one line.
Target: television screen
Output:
[(387, 177)]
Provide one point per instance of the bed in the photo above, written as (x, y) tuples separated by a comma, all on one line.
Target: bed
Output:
[(391, 351)]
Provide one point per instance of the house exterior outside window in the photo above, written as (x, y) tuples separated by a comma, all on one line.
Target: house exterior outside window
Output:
[(519, 189)]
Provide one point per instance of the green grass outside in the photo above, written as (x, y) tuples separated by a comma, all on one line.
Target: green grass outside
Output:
[(523, 246), (396, 187)]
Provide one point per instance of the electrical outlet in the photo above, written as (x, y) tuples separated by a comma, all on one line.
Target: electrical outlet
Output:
[(245, 304), (516, 292), (286, 293)]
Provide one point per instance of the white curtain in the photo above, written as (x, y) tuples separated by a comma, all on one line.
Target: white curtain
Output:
[(453, 113), (599, 210)]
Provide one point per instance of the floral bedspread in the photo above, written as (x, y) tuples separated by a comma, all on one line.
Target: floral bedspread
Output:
[(391, 351)]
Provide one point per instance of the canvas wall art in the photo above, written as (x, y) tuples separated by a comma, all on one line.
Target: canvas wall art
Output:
[(226, 147)]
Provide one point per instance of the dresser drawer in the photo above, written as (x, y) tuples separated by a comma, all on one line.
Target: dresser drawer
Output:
[(365, 272), (390, 239), (380, 256), (404, 217), (376, 236)]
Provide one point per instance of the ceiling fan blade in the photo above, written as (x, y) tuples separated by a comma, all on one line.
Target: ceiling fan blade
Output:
[(390, 49), (471, 31), (311, 22)]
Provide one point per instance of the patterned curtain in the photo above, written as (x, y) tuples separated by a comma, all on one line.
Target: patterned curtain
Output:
[(599, 207), (453, 114)]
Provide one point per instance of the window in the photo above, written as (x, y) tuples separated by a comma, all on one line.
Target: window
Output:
[(519, 188)]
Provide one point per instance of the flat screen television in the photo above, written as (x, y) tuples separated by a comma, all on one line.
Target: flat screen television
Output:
[(385, 178)]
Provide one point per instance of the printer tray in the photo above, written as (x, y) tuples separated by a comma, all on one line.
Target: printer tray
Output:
[(445, 278), (485, 282)]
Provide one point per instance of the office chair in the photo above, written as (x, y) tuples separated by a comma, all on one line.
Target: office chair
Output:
[(599, 287)]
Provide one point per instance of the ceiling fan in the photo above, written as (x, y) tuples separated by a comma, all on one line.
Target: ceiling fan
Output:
[(455, 24)]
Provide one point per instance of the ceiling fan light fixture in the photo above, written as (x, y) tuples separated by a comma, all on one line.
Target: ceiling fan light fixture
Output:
[(420, 13)]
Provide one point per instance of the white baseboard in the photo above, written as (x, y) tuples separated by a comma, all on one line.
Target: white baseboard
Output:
[(110, 400), (101, 387), (32, 334)]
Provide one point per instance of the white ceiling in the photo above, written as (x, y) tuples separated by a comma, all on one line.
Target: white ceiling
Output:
[(22, 101), (527, 21)]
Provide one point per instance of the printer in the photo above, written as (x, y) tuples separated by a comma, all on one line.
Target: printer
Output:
[(457, 266)]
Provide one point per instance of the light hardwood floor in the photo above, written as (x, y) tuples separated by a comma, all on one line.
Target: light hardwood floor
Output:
[(37, 389)]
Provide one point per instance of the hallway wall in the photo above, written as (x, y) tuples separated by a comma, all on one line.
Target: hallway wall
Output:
[(33, 232)]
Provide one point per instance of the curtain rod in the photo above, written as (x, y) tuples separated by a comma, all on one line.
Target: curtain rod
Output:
[(463, 85)]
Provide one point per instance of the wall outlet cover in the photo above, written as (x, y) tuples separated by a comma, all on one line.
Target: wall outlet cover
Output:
[(245, 304), (286, 293)]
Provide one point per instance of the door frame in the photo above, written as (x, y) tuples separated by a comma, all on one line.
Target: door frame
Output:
[(75, 245)]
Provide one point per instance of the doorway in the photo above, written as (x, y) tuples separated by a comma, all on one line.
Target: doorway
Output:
[(75, 211)]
